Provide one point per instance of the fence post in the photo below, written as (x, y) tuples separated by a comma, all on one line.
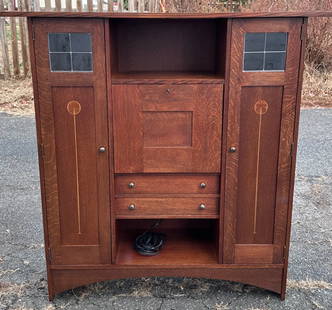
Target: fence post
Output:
[(79, 5), (47, 5), (3, 44), (131, 5), (141, 6), (90, 5), (69, 7), (23, 34), (110, 5), (13, 30), (58, 5)]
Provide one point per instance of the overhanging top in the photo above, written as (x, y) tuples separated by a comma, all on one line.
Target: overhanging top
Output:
[(167, 15)]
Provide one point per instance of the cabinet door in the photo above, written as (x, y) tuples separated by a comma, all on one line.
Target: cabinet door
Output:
[(167, 128), (72, 110), (263, 82)]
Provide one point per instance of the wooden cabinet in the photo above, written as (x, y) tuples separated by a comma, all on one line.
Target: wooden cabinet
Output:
[(191, 121)]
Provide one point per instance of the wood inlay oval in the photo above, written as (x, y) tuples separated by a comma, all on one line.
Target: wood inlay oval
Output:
[(261, 107), (73, 107)]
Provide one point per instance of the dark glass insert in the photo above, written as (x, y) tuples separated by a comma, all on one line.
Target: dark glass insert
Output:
[(70, 52), (265, 51), (80, 42), (276, 41), (59, 42), (60, 62), (82, 62), (274, 61), (253, 61), (254, 42)]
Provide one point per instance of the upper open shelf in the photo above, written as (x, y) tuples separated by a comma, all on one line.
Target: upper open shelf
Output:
[(173, 50)]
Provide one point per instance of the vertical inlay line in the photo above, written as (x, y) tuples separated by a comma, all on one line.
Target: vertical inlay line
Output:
[(260, 107), (257, 166), (77, 181)]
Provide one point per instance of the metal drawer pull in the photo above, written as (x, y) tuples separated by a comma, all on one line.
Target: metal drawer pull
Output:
[(202, 206), (202, 185), (102, 149), (131, 185), (232, 149), (131, 207)]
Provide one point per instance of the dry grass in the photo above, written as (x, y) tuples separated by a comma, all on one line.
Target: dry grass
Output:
[(16, 97), (309, 284), (317, 88), (10, 289)]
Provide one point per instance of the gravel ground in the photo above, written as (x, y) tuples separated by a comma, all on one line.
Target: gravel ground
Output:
[(22, 265)]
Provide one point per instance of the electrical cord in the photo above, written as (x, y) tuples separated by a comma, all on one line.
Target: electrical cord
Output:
[(150, 243)]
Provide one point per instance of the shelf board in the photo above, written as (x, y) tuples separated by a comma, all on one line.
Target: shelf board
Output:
[(167, 77), (182, 247)]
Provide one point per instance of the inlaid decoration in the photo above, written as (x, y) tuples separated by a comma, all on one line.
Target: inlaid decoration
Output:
[(260, 108), (74, 108)]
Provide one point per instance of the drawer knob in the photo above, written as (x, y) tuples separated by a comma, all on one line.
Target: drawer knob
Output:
[(102, 149), (168, 91), (131, 207), (131, 184), (202, 206), (202, 185), (232, 149)]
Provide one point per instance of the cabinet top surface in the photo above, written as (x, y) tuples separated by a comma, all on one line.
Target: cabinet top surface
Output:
[(168, 15)]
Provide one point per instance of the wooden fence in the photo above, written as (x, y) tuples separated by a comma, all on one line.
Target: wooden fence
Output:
[(14, 50)]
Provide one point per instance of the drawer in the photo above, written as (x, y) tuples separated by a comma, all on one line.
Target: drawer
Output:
[(161, 94), (166, 184), (167, 207)]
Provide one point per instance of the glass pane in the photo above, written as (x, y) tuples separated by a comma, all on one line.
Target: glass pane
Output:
[(60, 62), (80, 42), (59, 42), (275, 61), (254, 42), (276, 41), (82, 62), (253, 61)]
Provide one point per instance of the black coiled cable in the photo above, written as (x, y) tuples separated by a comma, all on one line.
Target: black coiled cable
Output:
[(150, 243)]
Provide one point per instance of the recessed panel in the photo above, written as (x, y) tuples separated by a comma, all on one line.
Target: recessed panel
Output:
[(75, 138), (258, 163), (167, 129)]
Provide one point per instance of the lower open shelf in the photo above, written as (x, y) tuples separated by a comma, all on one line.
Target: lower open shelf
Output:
[(188, 242)]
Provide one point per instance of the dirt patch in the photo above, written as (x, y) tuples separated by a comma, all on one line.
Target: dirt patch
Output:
[(16, 97)]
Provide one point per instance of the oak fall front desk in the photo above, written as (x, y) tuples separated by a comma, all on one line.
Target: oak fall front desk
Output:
[(191, 119)]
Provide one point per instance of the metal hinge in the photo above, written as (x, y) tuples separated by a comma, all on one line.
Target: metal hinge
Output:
[(291, 149), (41, 149), (49, 255), (303, 32)]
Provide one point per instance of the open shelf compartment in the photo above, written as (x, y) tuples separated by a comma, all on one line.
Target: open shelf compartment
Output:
[(188, 242), (168, 49)]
